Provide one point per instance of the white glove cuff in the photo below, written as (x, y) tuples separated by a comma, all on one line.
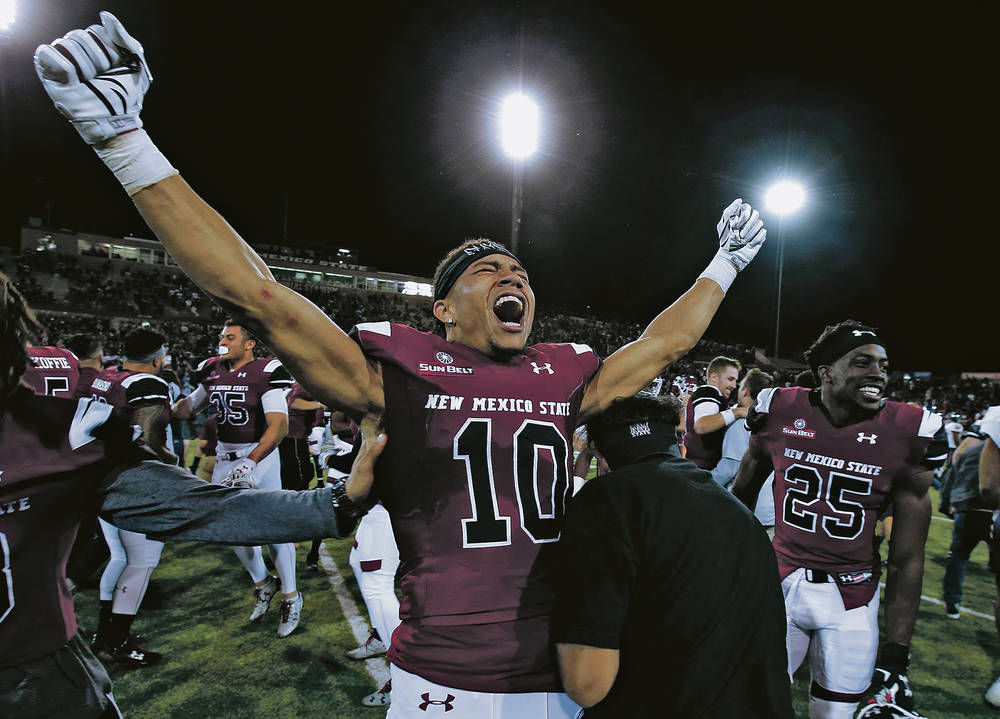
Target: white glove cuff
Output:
[(135, 161), (721, 271)]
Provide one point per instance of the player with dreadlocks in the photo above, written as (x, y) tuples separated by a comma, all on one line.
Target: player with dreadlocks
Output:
[(61, 459)]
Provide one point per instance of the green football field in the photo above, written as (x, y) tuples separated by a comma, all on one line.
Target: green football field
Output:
[(218, 665)]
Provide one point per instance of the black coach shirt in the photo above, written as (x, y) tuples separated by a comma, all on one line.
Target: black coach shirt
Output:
[(662, 564)]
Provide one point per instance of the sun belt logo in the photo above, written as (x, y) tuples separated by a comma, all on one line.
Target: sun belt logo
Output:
[(869, 438), (427, 701), (798, 429), (446, 366), (537, 368)]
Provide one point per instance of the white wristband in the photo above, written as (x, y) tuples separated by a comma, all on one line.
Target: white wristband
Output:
[(135, 161), (728, 416), (721, 271)]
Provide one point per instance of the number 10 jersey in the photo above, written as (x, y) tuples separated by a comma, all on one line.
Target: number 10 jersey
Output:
[(475, 477)]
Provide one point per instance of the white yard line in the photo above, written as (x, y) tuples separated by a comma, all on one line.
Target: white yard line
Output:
[(963, 610), (377, 667)]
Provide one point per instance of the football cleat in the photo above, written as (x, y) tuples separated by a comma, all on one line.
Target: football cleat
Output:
[(380, 698), (291, 610), (371, 647), (128, 655), (263, 596), (953, 610)]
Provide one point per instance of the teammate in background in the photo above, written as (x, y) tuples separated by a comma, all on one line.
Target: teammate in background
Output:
[(989, 492), (839, 453), (89, 351), (476, 478), (707, 416), (175, 431), (953, 429), (203, 463), (61, 457), (735, 443), (136, 388), (652, 594), (247, 395), (334, 450), (52, 371), (296, 463), (374, 556)]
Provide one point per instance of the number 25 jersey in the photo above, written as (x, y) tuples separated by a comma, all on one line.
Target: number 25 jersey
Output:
[(475, 477), (830, 483)]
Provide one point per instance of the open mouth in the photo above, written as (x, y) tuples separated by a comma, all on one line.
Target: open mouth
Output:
[(870, 391), (509, 309)]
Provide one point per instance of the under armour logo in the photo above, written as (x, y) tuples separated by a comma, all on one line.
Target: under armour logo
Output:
[(538, 368), (858, 333), (241, 374), (640, 429), (427, 701), (869, 438)]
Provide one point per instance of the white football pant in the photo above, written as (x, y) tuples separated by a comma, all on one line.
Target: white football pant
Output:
[(841, 644), (375, 559), (126, 576)]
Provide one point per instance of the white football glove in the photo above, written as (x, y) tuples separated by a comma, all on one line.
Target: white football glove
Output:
[(97, 78), (242, 476), (741, 233)]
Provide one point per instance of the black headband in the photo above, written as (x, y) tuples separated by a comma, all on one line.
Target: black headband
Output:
[(628, 443), (456, 266), (840, 343)]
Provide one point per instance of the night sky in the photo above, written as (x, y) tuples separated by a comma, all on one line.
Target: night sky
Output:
[(378, 122)]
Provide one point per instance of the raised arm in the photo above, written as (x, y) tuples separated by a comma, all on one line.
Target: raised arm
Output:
[(679, 327), (86, 74)]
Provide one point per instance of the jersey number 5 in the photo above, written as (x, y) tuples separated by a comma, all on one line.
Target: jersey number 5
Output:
[(808, 487), (486, 527)]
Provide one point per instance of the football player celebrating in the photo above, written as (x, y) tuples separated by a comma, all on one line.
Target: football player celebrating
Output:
[(53, 371), (707, 413), (839, 454), (247, 395), (476, 480), (62, 458)]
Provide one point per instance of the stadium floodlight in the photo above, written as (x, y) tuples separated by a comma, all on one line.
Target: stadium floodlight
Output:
[(8, 13), (785, 197), (519, 126)]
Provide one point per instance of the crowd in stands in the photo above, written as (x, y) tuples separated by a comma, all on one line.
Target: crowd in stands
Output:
[(110, 299)]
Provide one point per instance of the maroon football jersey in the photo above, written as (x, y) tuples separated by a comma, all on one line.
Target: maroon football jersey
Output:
[(52, 370), (53, 454), (475, 478), (236, 395), (830, 483), (705, 450), (87, 376), (300, 421), (127, 389)]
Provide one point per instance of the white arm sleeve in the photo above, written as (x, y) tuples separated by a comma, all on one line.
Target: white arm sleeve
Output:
[(705, 409), (274, 401)]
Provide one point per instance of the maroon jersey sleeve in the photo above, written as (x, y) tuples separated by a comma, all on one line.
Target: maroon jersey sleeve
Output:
[(52, 371), (475, 478), (300, 421)]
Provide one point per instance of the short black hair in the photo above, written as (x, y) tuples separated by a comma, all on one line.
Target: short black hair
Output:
[(814, 352), (247, 334), (626, 411), (756, 380), (141, 343), (806, 379), (83, 346)]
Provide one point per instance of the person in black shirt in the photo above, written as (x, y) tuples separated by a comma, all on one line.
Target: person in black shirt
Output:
[(666, 581)]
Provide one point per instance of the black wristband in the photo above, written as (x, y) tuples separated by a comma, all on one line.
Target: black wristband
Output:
[(894, 657), (342, 503)]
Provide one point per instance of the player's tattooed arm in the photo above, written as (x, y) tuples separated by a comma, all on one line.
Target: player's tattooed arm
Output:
[(754, 469), (152, 419), (904, 579)]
